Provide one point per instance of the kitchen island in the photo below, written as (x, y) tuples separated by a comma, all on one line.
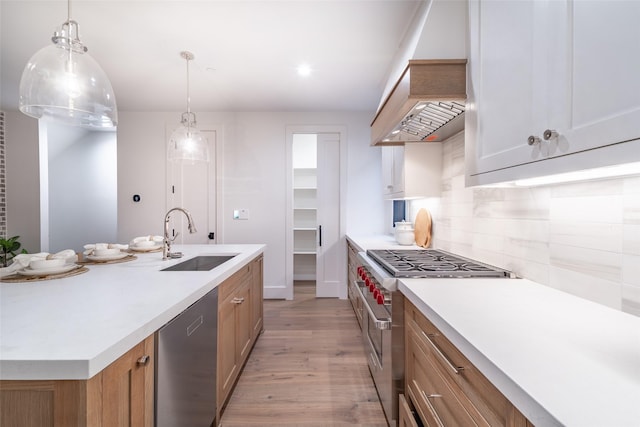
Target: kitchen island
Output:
[(72, 328), (76, 336)]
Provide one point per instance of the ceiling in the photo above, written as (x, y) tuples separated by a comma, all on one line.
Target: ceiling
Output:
[(246, 52)]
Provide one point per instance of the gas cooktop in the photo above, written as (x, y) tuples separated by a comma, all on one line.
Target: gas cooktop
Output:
[(431, 263)]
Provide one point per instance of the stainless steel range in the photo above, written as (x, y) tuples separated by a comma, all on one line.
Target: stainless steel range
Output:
[(383, 317), (431, 263)]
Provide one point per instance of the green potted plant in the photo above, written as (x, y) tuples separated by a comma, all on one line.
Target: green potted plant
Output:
[(9, 247)]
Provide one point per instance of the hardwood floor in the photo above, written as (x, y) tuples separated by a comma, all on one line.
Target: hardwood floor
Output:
[(308, 369)]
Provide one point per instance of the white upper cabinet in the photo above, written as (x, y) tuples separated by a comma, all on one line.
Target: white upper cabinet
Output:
[(565, 70), (604, 73), (412, 170), (393, 171)]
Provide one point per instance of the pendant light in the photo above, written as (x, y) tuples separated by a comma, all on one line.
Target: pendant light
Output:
[(186, 142), (62, 82)]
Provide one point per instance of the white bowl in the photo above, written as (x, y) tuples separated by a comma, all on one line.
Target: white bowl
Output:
[(118, 246), (106, 252), (43, 264), (405, 237), (145, 244)]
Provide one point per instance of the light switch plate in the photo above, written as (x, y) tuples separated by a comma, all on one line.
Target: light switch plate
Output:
[(241, 214)]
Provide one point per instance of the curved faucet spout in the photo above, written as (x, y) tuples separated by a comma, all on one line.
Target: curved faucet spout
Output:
[(166, 251)]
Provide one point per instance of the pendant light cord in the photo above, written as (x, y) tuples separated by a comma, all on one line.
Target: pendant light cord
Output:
[(188, 92), (188, 117)]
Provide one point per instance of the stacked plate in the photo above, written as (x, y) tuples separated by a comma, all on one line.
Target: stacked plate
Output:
[(146, 243), (59, 263), (102, 252)]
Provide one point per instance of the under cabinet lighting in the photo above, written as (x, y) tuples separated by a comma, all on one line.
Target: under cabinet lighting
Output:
[(615, 171)]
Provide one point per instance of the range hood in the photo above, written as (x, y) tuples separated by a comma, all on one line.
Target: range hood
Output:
[(426, 104)]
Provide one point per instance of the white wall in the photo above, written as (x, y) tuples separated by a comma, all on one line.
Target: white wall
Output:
[(82, 187), (582, 238), (23, 179)]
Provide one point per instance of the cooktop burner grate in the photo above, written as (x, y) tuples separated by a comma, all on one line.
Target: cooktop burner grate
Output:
[(431, 263)]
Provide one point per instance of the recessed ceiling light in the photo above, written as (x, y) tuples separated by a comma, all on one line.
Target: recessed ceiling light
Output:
[(304, 70)]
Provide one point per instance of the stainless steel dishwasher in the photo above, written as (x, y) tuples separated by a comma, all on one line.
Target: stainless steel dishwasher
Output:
[(185, 369)]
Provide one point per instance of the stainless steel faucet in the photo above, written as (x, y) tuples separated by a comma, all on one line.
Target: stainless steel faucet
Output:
[(166, 250)]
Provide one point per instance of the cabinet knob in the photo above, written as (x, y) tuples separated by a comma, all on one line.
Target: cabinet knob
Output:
[(549, 134), (237, 300), (533, 140), (143, 360)]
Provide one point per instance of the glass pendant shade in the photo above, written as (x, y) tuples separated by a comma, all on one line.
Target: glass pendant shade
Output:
[(187, 143), (64, 83)]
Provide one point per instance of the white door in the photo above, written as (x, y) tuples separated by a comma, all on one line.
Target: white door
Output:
[(329, 253), (193, 187), (315, 237)]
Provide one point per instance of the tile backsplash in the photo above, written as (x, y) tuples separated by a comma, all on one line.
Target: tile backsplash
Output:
[(582, 238)]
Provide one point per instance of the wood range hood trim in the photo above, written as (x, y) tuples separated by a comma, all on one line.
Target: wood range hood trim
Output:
[(421, 80)]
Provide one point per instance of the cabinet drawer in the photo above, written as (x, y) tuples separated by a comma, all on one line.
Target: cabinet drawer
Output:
[(438, 400), (493, 405), (405, 415), (229, 286)]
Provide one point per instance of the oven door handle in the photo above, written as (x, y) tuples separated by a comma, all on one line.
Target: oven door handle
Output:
[(382, 324)]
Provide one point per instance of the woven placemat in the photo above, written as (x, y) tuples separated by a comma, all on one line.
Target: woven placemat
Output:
[(86, 261), (17, 278), (143, 251)]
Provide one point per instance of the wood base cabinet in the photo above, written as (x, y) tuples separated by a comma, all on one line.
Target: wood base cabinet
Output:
[(121, 395), (444, 387), (239, 324), (406, 417)]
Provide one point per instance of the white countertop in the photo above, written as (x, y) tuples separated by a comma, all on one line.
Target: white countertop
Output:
[(377, 241), (73, 328), (560, 359)]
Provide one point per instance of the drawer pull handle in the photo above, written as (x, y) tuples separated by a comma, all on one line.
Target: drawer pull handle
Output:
[(434, 414), (237, 300), (454, 369), (143, 360), (374, 361)]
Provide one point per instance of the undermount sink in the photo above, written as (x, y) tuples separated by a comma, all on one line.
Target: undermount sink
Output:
[(200, 263)]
